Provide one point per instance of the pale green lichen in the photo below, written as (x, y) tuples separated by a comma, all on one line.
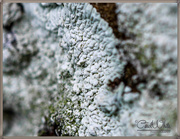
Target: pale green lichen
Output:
[(74, 78)]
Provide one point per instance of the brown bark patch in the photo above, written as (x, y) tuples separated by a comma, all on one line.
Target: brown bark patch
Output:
[(108, 13)]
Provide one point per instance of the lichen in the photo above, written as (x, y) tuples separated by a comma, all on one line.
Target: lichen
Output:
[(80, 77)]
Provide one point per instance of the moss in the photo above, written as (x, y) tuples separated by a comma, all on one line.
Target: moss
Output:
[(63, 118), (145, 61), (172, 118)]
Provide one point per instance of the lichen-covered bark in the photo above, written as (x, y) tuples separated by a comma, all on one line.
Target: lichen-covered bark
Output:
[(80, 69)]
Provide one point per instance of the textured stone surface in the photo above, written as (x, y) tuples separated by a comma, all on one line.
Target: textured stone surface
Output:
[(67, 73)]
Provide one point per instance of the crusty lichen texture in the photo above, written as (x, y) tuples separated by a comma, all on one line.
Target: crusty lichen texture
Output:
[(69, 72), (87, 62)]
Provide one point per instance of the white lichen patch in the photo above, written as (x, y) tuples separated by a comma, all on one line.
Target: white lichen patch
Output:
[(154, 53), (91, 61), (73, 60), (11, 13)]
